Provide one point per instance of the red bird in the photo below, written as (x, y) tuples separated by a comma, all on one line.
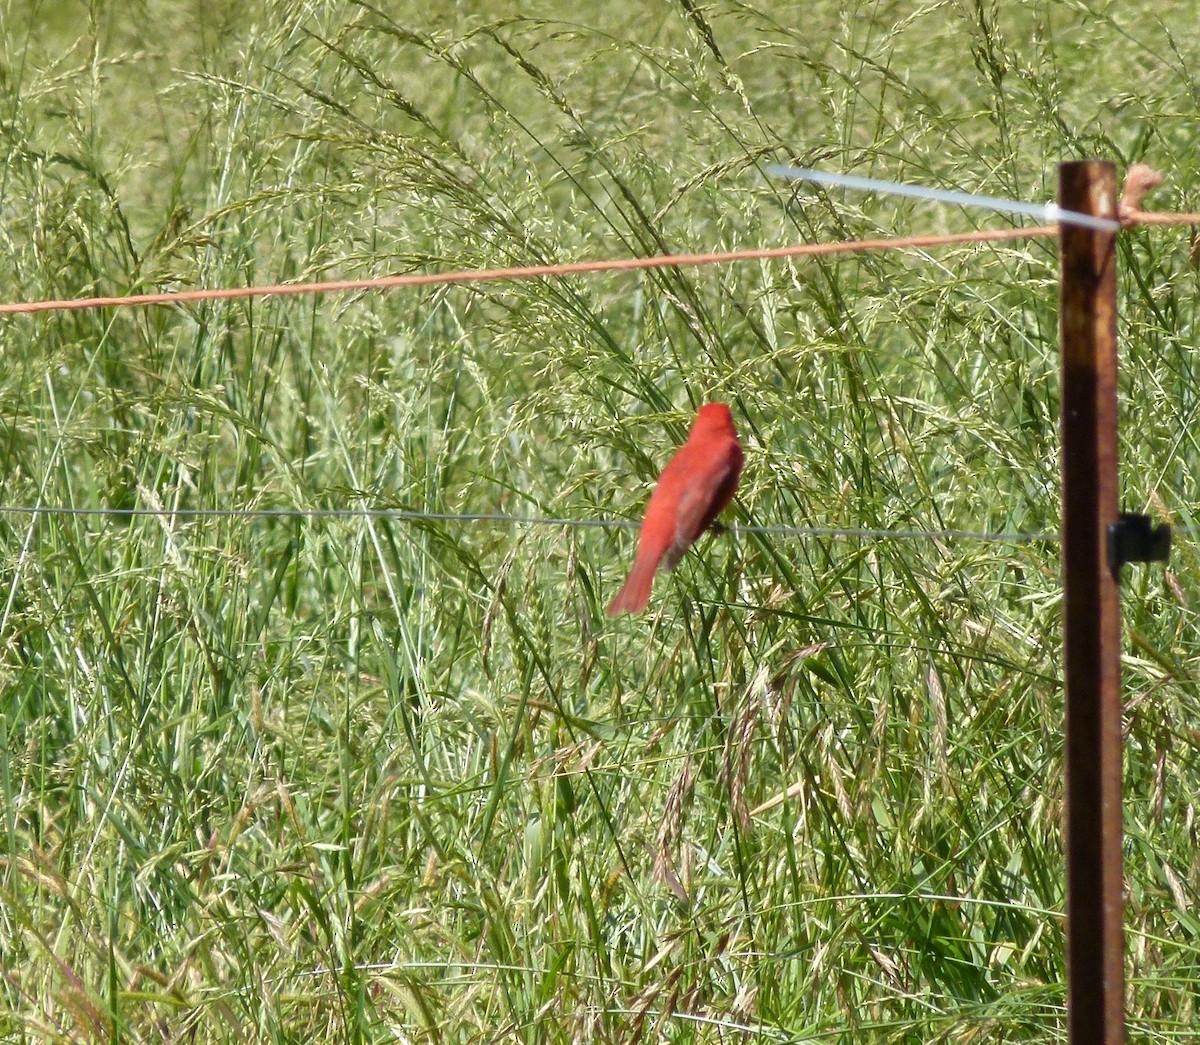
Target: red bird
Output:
[(694, 488)]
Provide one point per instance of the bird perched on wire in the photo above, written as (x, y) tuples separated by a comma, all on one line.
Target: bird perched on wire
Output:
[(693, 489)]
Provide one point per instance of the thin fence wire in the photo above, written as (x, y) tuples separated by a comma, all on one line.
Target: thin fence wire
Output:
[(500, 518), (1046, 212), (569, 268)]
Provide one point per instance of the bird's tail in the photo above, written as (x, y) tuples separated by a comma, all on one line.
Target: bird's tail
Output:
[(635, 592)]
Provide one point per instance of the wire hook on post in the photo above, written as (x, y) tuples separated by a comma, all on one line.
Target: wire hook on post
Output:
[(1135, 538)]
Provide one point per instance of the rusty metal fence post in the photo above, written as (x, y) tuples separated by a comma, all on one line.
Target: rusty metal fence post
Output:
[(1092, 622)]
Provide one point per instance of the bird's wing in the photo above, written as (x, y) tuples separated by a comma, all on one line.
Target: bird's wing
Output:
[(699, 505)]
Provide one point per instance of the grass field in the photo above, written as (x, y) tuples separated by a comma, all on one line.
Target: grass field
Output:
[(371, 779)]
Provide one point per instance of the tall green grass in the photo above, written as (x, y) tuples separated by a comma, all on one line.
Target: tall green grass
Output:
[(365, 779)]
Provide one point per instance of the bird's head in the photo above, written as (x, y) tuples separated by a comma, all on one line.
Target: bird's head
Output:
[(713, 417)]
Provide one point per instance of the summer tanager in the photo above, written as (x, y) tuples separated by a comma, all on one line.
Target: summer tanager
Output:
[(696, 485)]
